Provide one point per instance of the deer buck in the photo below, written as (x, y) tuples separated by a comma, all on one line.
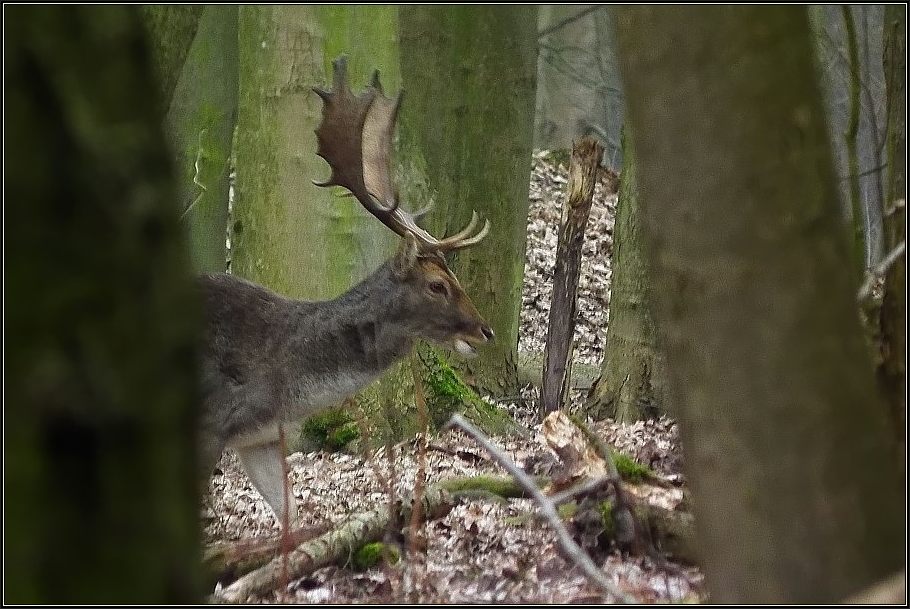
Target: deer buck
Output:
[(270, 360)]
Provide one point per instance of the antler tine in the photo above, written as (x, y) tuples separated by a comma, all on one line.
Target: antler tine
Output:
[(420, 213), (460, 240)]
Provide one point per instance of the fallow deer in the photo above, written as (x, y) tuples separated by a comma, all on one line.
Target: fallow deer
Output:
[(270, 360)]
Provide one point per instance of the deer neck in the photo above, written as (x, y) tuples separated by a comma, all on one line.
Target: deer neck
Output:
[(363, 330)]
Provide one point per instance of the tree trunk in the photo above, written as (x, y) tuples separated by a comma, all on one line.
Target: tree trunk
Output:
[(200, 123), (632, 382), (851, 144), (171, 29), (296, 238), (557, 371), (469, 73), (892, 371), (101, 498), (797, 499)]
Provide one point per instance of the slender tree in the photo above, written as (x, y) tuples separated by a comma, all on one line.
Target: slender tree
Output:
[(200, 125), (470, 75), (171, 29), (892, 371), (100, 485), (797, 499), (632, 383)]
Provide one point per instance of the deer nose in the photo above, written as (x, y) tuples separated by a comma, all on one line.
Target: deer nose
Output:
[(487, 332)]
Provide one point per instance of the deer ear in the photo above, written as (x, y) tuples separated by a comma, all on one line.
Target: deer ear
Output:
[(406, 257)]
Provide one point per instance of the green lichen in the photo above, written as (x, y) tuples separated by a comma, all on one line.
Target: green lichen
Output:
[(630, 470), (504, 487), (606, 518), (368, 556), (330, 430), (446, 393), (626, 466)]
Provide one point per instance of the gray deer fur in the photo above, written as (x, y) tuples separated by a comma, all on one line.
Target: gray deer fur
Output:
[(270, 360)]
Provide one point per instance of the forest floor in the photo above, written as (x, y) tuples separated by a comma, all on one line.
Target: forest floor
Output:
[(483, 550)]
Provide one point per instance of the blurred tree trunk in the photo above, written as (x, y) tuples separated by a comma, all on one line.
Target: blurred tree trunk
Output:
[(893, 368), (171, 29), (100, 485), (796, 496), (200, 125), (470, 72), (632, 383)]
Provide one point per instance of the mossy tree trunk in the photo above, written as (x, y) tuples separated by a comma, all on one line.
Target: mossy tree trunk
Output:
[(892, 371), (101, 499), (469, 73), (797, 497), (633, 378), (290, 235), (200, 124)]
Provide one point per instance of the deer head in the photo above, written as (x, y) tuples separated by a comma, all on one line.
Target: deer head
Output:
[(355, 138)]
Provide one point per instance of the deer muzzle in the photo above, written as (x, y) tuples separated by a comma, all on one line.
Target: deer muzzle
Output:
[(467, 346)]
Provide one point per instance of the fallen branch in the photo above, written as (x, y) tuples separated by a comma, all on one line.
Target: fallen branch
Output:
[(332, 547), (571, 549), (229, 560)]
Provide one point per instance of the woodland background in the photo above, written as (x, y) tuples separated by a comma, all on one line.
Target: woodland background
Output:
[(751, 290)]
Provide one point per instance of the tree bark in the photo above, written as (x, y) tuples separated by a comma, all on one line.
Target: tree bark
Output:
[(200, 124), (633, 378), (171, 29), (469, 73), (101, 495), (557, 372), (796, 496), (892, 372), (852, 145)]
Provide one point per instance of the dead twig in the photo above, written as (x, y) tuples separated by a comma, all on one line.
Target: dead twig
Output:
[(571, 549), (879, 270)]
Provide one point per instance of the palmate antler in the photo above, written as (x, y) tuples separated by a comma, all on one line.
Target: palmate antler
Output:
[(355, 138)]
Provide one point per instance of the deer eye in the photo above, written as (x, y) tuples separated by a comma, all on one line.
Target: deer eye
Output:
[(438, 287)]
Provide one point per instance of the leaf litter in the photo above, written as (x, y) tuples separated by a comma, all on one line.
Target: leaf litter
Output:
[(485, 550)]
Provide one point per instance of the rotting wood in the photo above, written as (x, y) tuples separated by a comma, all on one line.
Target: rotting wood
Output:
[(586, 155)]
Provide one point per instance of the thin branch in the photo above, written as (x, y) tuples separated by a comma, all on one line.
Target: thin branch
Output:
[(897, 206), (571, 549), (879, 270), (877, 169), (583, 489), (556, 26)]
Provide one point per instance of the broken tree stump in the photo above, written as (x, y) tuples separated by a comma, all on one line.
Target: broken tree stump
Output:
[(586, 155)]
